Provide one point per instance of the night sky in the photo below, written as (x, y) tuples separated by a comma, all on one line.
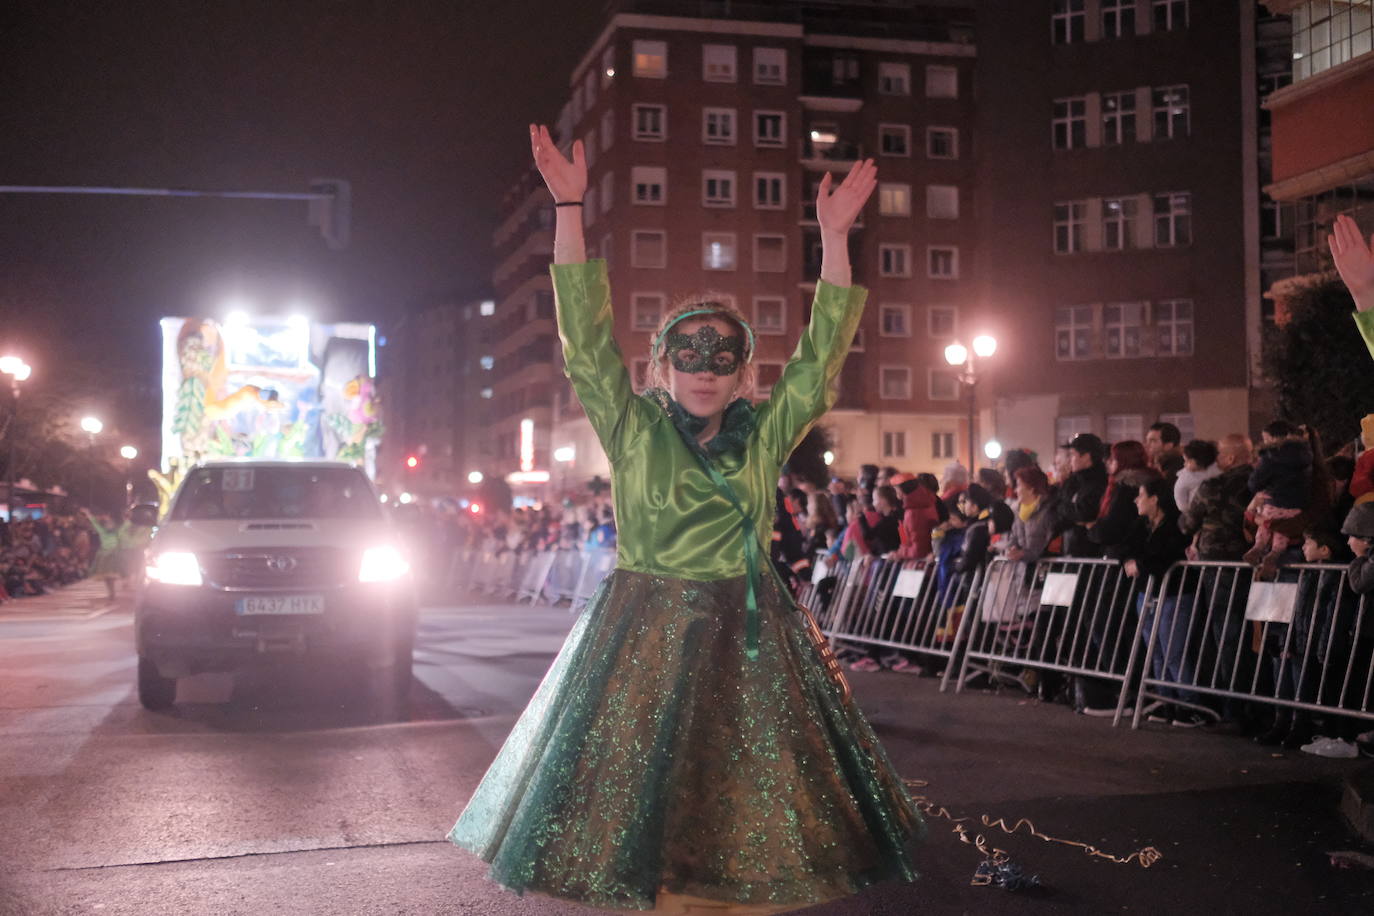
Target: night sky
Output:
[(421, 104)]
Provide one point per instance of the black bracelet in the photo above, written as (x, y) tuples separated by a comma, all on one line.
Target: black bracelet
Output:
[(567, 203)]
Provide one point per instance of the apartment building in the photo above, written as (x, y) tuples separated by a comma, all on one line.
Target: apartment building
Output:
[(434, 397), (706, 139), (1323, 128), (1119, 215)]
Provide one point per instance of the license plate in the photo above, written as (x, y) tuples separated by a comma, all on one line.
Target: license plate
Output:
[(280, 604)]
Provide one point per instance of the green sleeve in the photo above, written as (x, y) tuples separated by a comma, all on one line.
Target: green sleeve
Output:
[(1365, 322), (591, 358), (806, 389)]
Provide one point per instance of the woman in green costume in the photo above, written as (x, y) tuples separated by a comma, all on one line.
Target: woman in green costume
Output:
[(686, 752)]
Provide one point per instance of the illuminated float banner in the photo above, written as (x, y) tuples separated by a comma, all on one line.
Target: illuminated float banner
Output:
[(269, 388)]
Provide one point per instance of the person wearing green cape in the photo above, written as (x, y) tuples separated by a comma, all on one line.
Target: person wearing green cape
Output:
[(687, 751)]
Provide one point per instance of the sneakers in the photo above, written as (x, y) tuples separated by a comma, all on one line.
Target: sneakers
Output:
[(1161, 712), (1322, 746), (1188, 718), (1099, 712)]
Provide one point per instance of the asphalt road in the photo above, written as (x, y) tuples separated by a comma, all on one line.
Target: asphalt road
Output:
[(280, 794)]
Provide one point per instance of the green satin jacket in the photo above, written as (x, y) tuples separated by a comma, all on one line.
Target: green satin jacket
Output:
[(671, 519), (1365, 322)]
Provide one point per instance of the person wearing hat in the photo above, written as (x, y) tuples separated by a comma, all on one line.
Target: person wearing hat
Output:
[(1080, 498), (1359, 532)]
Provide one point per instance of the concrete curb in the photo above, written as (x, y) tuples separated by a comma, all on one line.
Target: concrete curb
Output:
[(1357, 801)]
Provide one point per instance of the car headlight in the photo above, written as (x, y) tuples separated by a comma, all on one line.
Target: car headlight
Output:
[(382, 564), (175, 568)]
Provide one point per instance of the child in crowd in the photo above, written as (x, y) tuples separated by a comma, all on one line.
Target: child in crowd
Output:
[(1282, 488), (1199, 464), (1362, 480)]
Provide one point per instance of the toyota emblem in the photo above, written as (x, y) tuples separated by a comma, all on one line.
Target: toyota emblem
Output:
[(281, 564)]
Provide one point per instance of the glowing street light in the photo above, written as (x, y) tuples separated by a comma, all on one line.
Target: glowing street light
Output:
[(92, 425), (564, 454), (128, 453), (993, 449), (956, 354), (475, 477), (984, 345), (828, 457), (18, 371)]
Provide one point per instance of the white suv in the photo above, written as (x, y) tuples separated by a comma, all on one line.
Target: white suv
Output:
[(266, 559)]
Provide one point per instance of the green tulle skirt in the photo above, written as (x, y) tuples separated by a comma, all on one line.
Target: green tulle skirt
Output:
[(657, 755)]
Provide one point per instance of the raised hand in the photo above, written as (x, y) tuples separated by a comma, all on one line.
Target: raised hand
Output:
[(836, 210), (1354, 260), (566, 180)]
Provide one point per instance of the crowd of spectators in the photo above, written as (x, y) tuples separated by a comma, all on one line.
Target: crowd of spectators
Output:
[(39, 554)]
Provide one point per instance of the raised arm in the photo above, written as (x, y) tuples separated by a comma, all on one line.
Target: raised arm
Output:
[(567, 182), (806, 389), (582, 297)]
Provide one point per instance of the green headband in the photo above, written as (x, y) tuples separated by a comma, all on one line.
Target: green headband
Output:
[(656, 350)]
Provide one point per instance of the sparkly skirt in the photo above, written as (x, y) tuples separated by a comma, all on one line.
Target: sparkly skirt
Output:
[(657, 757)]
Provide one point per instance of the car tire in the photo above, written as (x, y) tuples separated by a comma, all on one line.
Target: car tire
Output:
[(155, 691)]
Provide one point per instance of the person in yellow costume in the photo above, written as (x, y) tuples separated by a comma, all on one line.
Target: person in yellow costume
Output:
[(687, 751)]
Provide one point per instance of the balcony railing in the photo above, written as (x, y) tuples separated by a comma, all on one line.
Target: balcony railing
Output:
[(837, 151)]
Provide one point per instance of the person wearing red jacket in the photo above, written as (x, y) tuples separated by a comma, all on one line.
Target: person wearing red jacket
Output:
[(919, 518)]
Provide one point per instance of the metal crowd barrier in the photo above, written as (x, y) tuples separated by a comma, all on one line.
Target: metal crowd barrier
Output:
[(1302, 642)]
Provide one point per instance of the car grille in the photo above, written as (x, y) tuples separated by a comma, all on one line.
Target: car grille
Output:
[(293, 568)]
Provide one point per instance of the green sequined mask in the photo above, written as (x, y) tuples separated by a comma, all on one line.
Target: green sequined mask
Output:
[(706, 350)]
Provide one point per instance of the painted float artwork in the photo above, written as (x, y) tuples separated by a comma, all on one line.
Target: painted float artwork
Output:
[(269, 388)]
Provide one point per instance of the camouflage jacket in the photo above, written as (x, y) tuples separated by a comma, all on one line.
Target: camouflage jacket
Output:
[(1217, 515)]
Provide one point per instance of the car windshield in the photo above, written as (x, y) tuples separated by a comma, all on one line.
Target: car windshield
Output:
[(275, 493)]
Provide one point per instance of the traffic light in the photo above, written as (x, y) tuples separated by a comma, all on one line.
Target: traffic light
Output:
[(332, 214), (412, 462)]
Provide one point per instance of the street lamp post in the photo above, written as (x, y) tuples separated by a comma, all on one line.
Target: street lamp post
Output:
[(18, 371), (956, 354), (128, 453), (92, 427)]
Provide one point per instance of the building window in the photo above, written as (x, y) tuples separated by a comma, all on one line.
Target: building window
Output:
[(607, 67), (1069, 217), (651, 122), (1118, 118), (942, 201), (1121, 427), (942, 321), (1174, 325), (942, 262), (1073, 332), (942, 83), (942, 445), (894, 260), (1122, 324), (650, 184), (1327, 34), (1066, 428), (894, 444), (648, 248), (1070, 125), (1118, 223), (1170, 15), (1068, 21), (894, 321), (770, 66), (639, 375), (605, 249), (718, 250), (648, 310), (894, 199), (858, 345), (1184, 421), (651, 59), (589, 89), (1173, 219), (769, 128), (942, 143), (718, 125), (770, 253), (894, 139), (766, 376), (1171, 112), (894, 383), (894, 79), (607, 190), (589, 147), (607, 128), (718, 63), (768, 190), (1118, 18), (770, 315), (718, 188), (943, 384)]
